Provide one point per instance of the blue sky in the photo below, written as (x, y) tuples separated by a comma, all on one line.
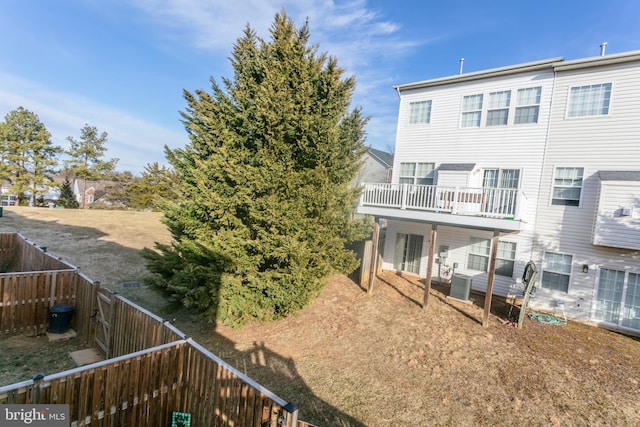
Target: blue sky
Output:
[(122, 65)]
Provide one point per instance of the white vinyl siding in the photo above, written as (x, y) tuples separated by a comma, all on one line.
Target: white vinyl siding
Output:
[(618, 215), (498, 111), (471, 111), (592, 100), (567, 186), (419, 112), (556, 271), (528, 105)]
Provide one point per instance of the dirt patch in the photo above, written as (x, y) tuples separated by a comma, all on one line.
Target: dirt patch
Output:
[(353, 359), (23, 357)]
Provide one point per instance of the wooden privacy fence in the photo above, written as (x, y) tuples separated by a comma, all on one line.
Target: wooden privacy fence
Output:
[(18, 254), (152, 368), (127, 327), (145, 388), (26, 298)]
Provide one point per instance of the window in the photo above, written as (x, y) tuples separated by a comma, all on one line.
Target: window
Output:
[(498, 111), (567, 186), (416, 173), (589, 100), (501, 190), (528, 105), (505, 258), (471, 111), (420, 112), (556, 271), (478, 256)]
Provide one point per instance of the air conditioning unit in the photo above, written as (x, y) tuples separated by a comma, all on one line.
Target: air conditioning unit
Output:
[(626, 211), (460, 286)]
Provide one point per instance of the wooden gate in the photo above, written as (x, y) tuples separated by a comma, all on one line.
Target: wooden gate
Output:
[(103, 317)]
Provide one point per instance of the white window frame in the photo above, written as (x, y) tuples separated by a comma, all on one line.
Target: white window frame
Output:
[(502, 259), (551, 270), (589, 100), (528, 103), (498, 108), (472, 107), (422, 173), (420, 112), (479, 247), (556, 200)]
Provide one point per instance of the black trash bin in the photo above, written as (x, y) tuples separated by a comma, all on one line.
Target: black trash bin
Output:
[(60, 318)]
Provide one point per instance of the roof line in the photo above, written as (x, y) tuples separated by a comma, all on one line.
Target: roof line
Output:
[(493, 72), (373, 153), (554, 64)]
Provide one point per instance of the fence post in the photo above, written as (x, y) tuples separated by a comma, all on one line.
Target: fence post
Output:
[(37, 384), (289, 416)]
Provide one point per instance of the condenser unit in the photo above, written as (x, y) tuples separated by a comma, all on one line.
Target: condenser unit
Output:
[(460, 286)]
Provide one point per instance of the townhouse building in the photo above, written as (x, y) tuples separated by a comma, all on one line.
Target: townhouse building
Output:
[(536, 162)]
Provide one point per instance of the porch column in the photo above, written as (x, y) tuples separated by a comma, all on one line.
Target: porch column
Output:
[(373, 264), (432, 249), (492, 273)]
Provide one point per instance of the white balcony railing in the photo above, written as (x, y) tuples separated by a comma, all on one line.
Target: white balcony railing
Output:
[(489, 202)]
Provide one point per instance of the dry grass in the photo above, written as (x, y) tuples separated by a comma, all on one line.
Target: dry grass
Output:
[(352, 359)]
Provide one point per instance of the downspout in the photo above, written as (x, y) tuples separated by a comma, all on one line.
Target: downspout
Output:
[(544, 155)]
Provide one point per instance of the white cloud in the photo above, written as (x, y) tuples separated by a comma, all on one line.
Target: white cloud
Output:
[(365, 43)]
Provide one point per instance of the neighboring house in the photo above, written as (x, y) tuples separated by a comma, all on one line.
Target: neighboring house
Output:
[(376, 167), (532, 162), (93, 190), (50, 195)]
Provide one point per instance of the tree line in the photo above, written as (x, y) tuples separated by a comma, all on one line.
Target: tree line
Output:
[(30, 162)]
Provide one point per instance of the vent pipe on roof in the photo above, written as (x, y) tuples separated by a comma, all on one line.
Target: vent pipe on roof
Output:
[(603, 46), (461, 64)]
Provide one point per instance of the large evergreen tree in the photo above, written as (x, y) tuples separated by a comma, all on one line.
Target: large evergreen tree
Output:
[(157, 183), (28, 155), (86, 154), (264, 206)]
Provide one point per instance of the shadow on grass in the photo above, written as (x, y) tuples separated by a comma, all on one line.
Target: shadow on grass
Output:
[(82, 247)]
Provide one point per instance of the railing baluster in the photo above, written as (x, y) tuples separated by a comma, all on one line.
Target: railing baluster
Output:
[(494, 202)]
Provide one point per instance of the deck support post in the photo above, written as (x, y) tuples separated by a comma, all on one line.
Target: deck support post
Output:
[(373, 264), (492, 273), (432, 248)]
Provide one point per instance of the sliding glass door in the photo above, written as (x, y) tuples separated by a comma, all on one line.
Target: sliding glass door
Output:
[(408, 253)]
